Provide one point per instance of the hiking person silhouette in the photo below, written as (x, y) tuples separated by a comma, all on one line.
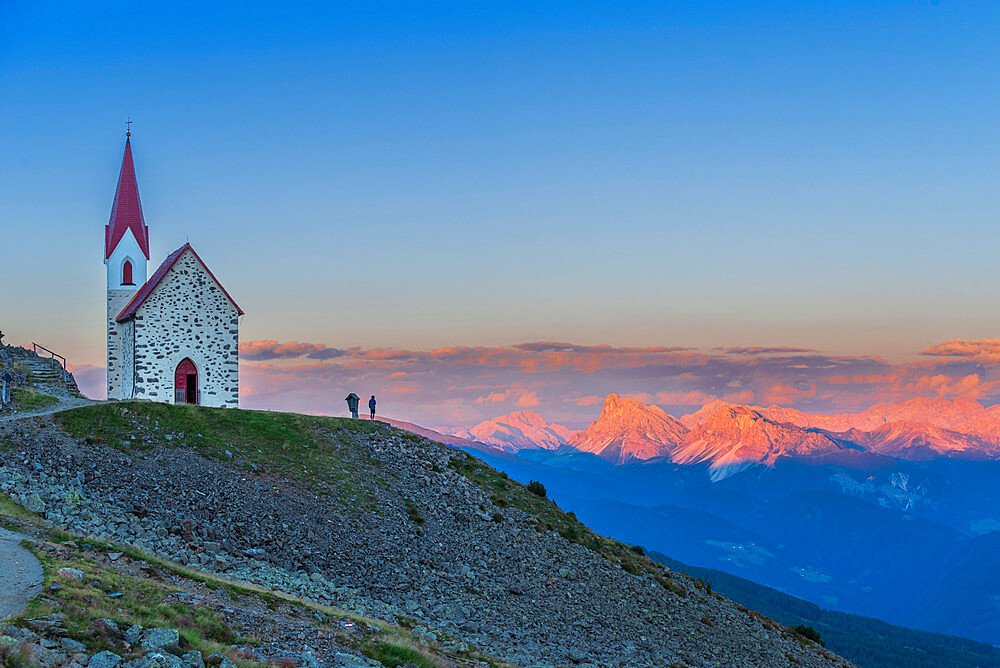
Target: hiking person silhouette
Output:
[(352, 404), (371, 405)]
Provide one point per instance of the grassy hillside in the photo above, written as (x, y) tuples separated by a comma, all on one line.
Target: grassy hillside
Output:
[(866, 641), (318, 451)]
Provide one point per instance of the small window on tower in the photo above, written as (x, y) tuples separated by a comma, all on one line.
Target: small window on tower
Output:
[(127, 273)]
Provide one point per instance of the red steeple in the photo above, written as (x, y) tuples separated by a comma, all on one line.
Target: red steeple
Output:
[(126, 212)]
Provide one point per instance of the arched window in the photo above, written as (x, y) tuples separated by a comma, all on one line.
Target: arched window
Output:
[(127, 273)]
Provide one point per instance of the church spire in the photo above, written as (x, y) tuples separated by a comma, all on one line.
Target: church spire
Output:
[(126, 212)]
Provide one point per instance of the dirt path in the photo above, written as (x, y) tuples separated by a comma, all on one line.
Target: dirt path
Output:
[(61, 406), (20, 574)]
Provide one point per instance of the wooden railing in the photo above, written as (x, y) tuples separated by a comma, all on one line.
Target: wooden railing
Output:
[(58, 358)]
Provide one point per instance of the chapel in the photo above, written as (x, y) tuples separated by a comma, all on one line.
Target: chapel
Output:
[(174, 336)]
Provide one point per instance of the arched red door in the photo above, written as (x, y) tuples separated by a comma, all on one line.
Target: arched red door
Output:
[(127, 273), (186, 383)]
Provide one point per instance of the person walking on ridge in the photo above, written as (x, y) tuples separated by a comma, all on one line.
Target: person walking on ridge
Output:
[(371, 405), (352, 404)]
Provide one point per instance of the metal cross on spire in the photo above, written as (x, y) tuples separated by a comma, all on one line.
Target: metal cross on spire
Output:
[(128, 127)]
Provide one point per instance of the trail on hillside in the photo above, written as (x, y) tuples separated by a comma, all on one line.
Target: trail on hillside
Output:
[(20, 574), (65, 404)]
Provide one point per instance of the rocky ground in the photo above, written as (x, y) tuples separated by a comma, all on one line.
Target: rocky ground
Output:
[(107, 609), (385, 524)]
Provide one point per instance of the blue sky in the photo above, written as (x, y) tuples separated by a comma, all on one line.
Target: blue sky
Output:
[(434, 174)]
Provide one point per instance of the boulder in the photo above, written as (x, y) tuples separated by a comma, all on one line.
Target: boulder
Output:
[(34, 503), (159, 660), (133, 635), (193, 659), (72, 646), (159, 638)]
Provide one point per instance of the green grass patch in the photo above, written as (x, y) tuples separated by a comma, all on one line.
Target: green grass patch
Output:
[(392, 654), (29, 400), (10, 509), (320, 451), (413, 512)]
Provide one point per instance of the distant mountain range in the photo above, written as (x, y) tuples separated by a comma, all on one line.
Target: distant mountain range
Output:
[(890, 512), (729, 437), (517, 431)]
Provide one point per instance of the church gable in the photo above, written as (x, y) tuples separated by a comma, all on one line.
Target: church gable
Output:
[(189, 255), (184, 313), (187, 289)]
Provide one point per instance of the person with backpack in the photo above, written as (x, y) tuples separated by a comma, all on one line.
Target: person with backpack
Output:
[(371, 405)]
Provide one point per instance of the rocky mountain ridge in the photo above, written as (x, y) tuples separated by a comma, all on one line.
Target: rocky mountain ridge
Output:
[(728, 437), (628, 429), (518, 431), (734, 437)]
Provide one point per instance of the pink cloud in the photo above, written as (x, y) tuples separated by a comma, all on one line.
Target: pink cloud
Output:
[(985, 350), (692, 398), (787, 394), (494, 397), (740, 397), (528, 400), (589, 400), (270, 350), (760, 350)]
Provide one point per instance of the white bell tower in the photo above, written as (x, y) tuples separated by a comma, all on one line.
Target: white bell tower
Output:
[(126, 255)]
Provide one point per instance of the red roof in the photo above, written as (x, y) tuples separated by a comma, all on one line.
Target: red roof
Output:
[(154, 280), (126, 212)]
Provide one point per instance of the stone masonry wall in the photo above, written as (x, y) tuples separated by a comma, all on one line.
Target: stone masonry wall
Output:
[(187, 315), (127, 335), (117, 299)]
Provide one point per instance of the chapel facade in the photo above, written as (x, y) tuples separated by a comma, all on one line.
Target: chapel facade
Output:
[(174, 336)]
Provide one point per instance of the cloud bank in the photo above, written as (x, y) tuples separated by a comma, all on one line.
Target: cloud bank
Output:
[(458, 387), (566, 382)]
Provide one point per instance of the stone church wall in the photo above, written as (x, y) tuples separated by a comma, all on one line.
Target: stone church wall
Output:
[(126, 334), (117, 299), (187, 315)]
